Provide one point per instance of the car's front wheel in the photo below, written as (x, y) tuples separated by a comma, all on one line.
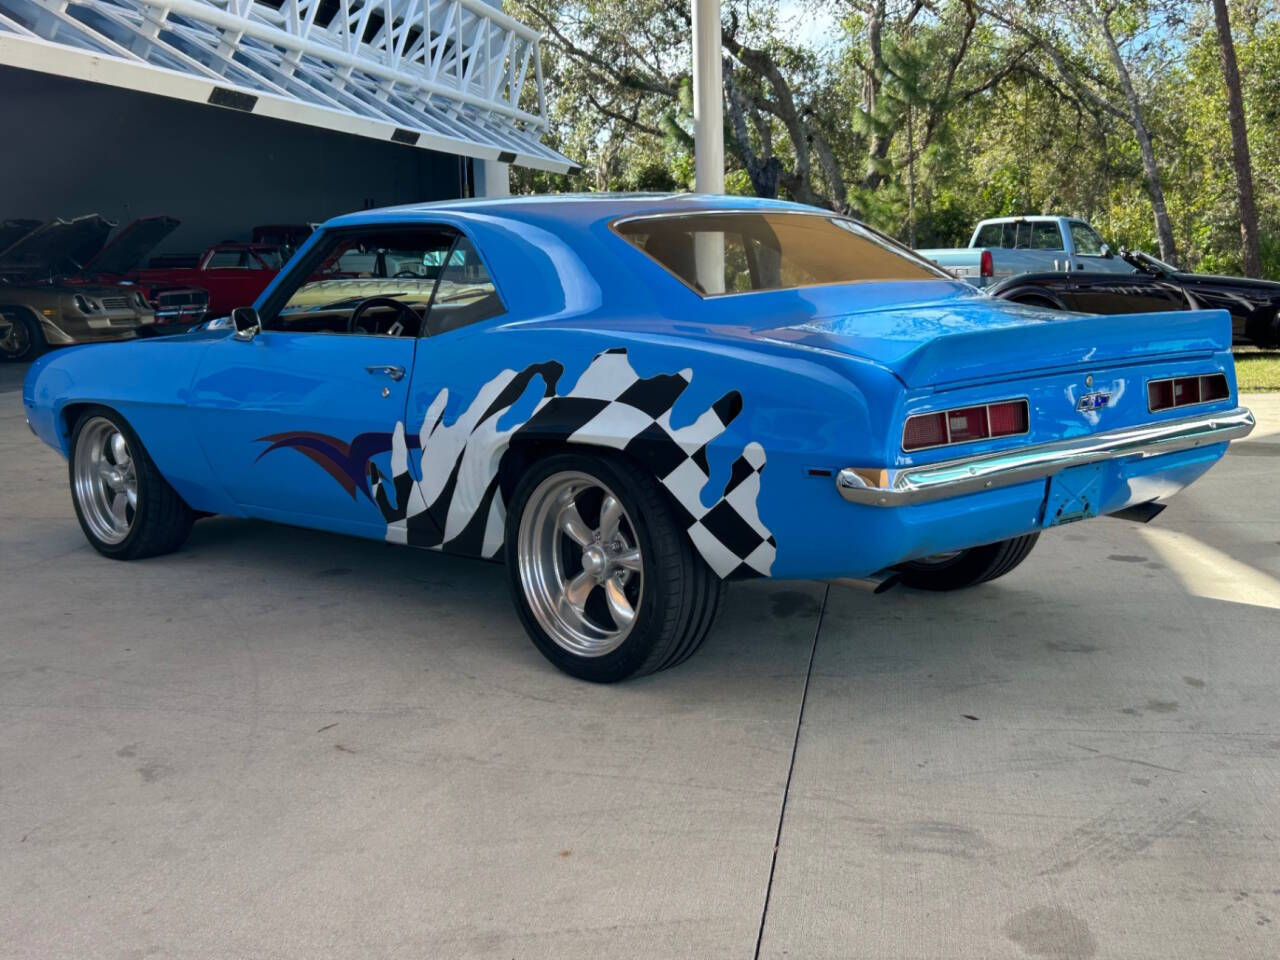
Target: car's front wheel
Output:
[(607, 584), (20, 335), (966, 568), (125, 507)]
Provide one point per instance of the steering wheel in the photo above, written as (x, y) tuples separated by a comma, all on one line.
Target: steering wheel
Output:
[(403, 274), (403, 309)]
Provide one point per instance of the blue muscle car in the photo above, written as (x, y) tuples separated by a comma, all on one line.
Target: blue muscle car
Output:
[(632, 400)]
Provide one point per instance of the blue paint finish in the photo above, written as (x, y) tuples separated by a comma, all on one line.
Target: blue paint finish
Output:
[(1074, 494), (243, 394), (826, 376)]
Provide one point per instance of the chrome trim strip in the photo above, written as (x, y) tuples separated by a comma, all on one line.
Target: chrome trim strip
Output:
[(953, 478)]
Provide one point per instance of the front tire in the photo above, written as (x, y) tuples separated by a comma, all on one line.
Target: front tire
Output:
[(966, 568), (126, 509), (25, 338), (606, 583)]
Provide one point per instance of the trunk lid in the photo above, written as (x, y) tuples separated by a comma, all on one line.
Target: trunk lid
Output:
[(976, 338)]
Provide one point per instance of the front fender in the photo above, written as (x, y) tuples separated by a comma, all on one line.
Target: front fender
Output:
[(147, 382)]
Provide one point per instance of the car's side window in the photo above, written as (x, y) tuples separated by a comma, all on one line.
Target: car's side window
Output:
[(466, 294), (225, 260), (377, 281), (991, 235), (264, 259), (1085, 240), (1045, 235)]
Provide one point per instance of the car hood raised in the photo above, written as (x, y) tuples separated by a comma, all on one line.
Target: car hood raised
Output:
[(130, 246), (11, 231), (57, 247)]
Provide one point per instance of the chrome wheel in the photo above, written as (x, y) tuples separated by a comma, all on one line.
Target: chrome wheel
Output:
[(580, 564), (106, 480)]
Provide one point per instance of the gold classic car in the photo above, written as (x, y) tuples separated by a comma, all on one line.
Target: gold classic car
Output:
[(41, 301)]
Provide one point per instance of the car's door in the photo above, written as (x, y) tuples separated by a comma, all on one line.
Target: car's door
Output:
[(459, 509), (1089, 253), (292, 419)]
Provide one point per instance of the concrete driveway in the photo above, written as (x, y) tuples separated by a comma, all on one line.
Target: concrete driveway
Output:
[(278, 743)]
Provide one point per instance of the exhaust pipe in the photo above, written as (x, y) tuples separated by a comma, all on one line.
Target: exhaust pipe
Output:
[(1140, 512)]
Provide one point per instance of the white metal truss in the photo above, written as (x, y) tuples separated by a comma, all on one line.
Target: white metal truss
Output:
[(438, 74)]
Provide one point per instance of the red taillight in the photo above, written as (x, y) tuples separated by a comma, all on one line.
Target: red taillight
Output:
[(1159, 395), (987, 265), (967, 424), (1214, 387), (963, 424), (1184, 391), (1008, 419), (928, 430)]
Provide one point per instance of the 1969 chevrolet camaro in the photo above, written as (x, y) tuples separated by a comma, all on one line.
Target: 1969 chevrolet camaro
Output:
[(632, 400)]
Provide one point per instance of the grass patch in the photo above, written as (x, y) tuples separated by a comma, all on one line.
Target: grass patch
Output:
[(1258, 370)]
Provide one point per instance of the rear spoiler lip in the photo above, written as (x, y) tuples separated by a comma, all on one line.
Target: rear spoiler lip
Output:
[(1078, 341), (1050, 371)]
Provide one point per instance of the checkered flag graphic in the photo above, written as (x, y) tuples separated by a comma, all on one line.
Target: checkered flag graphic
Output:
[(457, 505)]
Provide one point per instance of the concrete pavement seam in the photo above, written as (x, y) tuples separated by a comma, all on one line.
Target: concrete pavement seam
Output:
[(791, 767)]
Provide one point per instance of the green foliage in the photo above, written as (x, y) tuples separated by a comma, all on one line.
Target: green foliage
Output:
[(954, 120)]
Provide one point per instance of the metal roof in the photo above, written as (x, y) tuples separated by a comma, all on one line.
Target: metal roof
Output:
[(442, 75)]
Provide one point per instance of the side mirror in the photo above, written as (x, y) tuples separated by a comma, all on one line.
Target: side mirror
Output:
[(246, 322), (1106, 252)]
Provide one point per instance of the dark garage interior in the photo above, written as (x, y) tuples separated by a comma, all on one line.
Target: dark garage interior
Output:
[(99, 149)]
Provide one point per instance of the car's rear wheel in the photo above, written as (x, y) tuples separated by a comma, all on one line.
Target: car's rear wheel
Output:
[(126, 509), (607, 584), (20, 337), (966, 568)]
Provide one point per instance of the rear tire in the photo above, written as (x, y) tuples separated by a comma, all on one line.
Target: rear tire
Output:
[(605, 582), (966, 568), (25, 339), (126, 509)]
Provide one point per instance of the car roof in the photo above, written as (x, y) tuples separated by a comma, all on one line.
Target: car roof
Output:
[(555, 254), (1035, 218), (577, 209)]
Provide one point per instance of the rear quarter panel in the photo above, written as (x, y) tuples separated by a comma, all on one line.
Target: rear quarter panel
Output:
[(792, 420)]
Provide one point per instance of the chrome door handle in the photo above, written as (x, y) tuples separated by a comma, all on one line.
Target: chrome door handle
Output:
[(394, 372)]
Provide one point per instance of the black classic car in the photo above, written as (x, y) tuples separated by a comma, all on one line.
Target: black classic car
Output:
[(1254, 305)]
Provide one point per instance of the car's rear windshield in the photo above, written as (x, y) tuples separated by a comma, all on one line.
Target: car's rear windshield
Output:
[(725, 253)]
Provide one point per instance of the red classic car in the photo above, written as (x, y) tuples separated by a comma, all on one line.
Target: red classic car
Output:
[(233, 273)]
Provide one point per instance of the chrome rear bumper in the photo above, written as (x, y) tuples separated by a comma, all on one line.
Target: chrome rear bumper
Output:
[(889, 487)]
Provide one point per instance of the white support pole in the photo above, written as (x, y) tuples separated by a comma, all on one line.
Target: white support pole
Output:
[(708, 136), (708, 98), (493, 178)]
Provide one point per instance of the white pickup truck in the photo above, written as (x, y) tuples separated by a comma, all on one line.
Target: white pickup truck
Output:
[(1007, 246)]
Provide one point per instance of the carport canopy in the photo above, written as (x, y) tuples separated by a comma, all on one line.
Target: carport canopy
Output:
[(456, 76)]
